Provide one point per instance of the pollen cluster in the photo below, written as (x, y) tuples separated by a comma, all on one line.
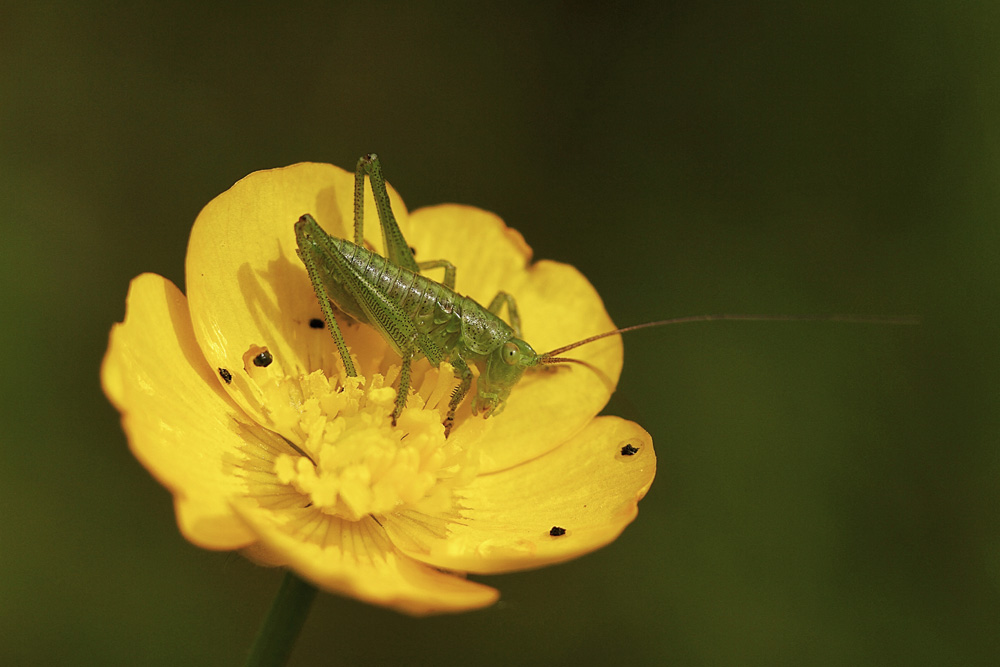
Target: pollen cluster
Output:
[(350, 460)]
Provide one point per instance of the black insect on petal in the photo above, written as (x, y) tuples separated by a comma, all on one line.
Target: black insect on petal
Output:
[(557, 531), (263, 360), (316, 323), (629, 450), (226, 376)]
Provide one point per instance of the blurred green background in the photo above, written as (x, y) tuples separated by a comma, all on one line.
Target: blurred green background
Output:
[(827, 494)]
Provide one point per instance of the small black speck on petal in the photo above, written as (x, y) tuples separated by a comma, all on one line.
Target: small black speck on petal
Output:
[(263, 360), (226, 376), (629, 450), (316, 323), (557, 531)]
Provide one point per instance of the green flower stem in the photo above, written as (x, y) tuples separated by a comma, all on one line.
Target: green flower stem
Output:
[(277, 635)]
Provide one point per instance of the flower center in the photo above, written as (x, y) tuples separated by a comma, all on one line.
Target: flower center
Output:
[(353, 461)]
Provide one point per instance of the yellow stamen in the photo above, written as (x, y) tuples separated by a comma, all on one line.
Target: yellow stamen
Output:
[(356, 462)]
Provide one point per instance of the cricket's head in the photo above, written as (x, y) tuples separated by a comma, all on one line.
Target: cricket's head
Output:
[(504, 368)]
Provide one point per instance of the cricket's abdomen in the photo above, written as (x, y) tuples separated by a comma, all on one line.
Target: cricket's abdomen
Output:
[(434, 310)]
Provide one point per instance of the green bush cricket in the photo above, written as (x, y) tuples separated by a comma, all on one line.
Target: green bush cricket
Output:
[(419, 317)]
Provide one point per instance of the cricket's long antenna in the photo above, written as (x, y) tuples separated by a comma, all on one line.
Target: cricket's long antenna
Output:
[(550, 358)]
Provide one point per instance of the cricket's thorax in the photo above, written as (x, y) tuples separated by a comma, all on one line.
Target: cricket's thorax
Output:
[(445, 322)]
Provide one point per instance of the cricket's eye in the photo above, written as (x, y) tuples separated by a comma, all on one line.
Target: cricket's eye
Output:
[(510, 353)]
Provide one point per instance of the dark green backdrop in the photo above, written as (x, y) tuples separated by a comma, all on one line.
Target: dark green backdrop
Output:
[(827, 494)]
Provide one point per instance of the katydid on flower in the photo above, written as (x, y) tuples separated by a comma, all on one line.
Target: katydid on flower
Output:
[(419, 317)]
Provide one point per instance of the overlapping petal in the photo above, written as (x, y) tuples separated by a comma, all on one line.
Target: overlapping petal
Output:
[(180, 424), (356, 558), (592, 485)]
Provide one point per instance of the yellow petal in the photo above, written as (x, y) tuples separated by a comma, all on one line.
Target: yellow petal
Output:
[(179, 422), (588, 487), (358, 560), (246, 286)]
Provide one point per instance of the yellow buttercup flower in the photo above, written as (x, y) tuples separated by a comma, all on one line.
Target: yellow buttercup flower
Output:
[(235, 398)]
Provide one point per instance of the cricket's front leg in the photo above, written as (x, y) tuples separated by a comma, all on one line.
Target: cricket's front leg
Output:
[(464, 374)]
